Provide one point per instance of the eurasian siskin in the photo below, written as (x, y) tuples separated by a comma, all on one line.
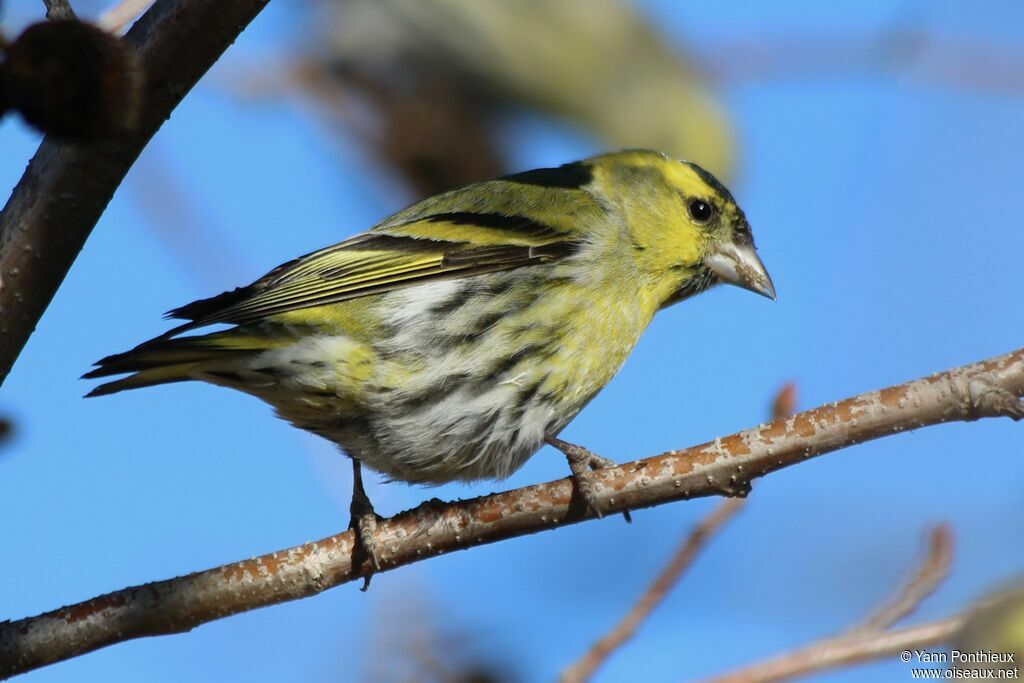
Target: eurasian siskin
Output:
[(455, 338)]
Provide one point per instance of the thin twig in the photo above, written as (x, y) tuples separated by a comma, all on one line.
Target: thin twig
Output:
[(59, 10), (725, 466), (852, 648), (930, 574), (583, 669), (871, 639), (66, 187), (784, 403), (122, 13)]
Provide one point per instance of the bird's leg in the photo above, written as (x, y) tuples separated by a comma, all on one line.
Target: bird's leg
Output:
[(364, 520), (581, 463)]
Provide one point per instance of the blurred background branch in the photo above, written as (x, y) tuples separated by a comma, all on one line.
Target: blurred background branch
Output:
[(925, 580), (846, 650), (425, 85), (584, 668), (874, 638)]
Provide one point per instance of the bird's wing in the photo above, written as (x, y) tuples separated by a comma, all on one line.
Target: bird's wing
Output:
[(396, 254)]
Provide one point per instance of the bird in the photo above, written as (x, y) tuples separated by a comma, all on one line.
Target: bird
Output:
[(454, 339)]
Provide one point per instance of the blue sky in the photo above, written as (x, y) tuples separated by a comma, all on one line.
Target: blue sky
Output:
[(884, 205)]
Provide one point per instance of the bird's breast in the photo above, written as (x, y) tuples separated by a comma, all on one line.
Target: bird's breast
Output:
[(473, 374)]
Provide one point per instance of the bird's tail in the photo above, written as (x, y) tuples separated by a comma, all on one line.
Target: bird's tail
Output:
[(162, 360)]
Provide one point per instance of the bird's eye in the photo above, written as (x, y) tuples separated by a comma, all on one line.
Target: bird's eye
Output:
[(700, 210)]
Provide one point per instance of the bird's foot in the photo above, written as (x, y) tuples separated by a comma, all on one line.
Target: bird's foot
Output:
[(582, 462), (364, 522)]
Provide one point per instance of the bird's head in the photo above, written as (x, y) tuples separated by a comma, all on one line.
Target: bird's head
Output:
[(686, 231)]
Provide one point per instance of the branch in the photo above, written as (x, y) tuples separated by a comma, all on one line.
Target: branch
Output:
[(925, 581), (584, 668), (67, 187), (59, 10), (724, 466), (871, 640)]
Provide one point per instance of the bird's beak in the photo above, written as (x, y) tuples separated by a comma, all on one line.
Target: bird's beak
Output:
[(738, 264)]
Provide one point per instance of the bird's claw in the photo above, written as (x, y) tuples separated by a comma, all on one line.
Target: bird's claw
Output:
[(363, 521), (582, 464)]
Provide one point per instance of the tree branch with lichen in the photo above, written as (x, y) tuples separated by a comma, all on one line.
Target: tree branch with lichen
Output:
[(724, 466)]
